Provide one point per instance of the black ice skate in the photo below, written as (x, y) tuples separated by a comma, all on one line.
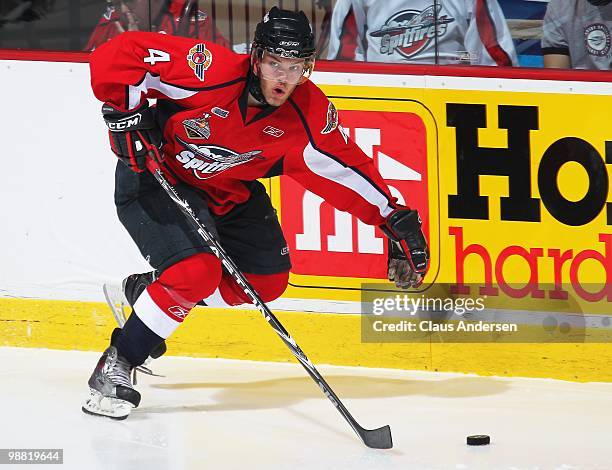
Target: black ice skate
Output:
[(122, 299), (112, 393)]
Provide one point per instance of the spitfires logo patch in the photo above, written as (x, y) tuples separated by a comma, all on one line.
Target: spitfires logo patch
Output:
[(197, 128), (332, 119), (199, 59), (597, 40), (207, 161), (408, 32)]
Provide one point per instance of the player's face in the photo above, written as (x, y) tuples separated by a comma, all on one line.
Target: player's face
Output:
[(279, 77)]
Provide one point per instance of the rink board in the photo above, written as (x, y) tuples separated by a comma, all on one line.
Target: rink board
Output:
[(63, 240), (325, 338)]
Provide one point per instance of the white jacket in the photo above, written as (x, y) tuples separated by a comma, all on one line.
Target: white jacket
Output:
[(404, 31)]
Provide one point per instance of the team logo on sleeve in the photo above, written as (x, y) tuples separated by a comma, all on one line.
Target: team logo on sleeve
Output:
[(199, 59), (410, 31), (206, 161), (197, 128), (597, 39), (332, 119)]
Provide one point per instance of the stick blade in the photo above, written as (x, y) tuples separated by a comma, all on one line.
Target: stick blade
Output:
[(377, 438)]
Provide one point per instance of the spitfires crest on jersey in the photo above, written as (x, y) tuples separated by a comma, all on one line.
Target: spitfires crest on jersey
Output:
[(199, 59), (597, 40), (332, 119), (206, 161), (408, 32), (197, 128)]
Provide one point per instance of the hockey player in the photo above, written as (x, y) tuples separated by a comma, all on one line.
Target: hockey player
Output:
[(177, 17), (421, 31), (221, 122)]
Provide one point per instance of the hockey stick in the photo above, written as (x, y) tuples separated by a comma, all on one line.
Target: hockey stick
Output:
[(376, 438)]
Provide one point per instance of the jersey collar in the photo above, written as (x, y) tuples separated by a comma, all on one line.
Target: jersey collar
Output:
[(243, 101)]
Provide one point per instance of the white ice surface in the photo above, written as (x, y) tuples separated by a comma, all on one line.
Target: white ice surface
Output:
[(223, 414)]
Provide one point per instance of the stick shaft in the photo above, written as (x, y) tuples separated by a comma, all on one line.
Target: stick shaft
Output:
[(244, 284)]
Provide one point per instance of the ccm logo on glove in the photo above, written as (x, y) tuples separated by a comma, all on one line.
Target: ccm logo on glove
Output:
[(125, 124)]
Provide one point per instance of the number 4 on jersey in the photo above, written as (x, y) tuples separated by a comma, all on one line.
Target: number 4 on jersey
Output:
[(157, 56)]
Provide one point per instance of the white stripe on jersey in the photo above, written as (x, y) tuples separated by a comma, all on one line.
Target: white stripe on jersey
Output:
[(155, 83), (154, 317), (328, 168)]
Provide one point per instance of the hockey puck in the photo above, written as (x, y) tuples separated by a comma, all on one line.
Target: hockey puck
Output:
[(478, 440)]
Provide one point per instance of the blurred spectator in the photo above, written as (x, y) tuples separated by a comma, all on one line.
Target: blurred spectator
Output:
[(176, 17), (323, 36), (16, 11), (421, 31), (577, 34)]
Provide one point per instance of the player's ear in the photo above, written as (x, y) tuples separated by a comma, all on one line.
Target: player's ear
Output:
[(254, 61)]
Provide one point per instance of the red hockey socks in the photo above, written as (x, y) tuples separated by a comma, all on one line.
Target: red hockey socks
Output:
[(164, 304)]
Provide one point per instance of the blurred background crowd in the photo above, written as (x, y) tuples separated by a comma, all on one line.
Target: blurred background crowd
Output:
[(510, 33)]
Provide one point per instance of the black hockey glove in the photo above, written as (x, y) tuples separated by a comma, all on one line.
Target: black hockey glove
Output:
[(408, 250), (133, 134)]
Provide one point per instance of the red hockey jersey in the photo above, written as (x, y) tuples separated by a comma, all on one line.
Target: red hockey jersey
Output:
[(215, 142)]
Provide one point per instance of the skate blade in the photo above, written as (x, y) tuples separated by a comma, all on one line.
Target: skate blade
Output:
[(99, 405), (116, 301)]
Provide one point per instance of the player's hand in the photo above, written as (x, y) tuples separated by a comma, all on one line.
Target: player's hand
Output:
[(133, 134), (408, 250)]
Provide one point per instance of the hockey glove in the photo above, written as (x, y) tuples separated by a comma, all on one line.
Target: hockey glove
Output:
[(408, 250), (133, 134)]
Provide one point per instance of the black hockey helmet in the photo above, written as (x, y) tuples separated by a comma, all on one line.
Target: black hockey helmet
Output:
[(285, 33)]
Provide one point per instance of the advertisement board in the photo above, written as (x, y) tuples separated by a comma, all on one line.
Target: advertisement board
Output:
[(512, 185)]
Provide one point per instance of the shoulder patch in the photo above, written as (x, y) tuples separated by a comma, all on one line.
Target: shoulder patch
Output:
[(332, 119), (199, 59)]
